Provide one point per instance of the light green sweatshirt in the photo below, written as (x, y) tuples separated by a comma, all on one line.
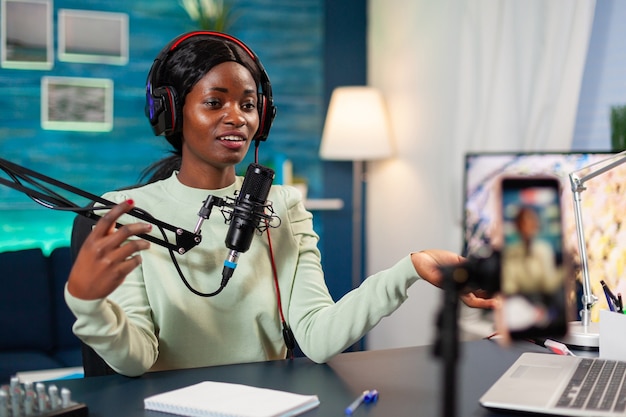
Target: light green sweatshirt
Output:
[(154, 322)]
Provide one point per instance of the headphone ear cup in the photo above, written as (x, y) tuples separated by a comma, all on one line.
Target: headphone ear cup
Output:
[(165, 111), (267, 112)]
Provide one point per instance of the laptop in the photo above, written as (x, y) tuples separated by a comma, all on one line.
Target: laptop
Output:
[(546, 383)]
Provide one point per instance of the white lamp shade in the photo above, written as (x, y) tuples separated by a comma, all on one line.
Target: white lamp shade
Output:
[(356, 126)]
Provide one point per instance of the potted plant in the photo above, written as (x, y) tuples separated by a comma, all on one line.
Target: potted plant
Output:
[(214, 15), (618, 128)]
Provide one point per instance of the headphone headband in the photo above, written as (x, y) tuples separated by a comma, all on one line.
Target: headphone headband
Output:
[(162, 102)]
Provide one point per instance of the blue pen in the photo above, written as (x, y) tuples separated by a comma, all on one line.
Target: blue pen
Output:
[(367, 396), (610, 298)]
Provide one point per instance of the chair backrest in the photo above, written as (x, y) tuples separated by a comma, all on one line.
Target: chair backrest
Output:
[(60, 264), (25, 301)]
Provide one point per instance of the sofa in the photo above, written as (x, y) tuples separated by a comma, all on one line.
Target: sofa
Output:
[(36, 325)]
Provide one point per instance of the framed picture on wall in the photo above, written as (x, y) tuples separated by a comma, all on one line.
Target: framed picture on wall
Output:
[(93, 37), (26, 30), (80, 104)]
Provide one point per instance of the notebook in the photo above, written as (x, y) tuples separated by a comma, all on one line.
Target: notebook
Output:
[(230, 400), (560, 385)]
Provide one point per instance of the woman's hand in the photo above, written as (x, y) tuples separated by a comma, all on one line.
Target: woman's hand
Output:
[(427, 263), (107, 256)]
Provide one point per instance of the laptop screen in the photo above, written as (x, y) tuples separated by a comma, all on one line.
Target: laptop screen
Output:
[(603, 206)]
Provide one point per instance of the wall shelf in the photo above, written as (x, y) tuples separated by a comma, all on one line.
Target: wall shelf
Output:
[(323, 204)]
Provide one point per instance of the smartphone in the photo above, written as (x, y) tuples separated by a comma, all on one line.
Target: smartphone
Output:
[(534, 268)]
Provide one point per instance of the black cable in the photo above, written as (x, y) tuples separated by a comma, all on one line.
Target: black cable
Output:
[(187, 284)]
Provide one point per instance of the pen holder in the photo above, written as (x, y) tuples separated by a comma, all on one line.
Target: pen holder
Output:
[(612, 335)]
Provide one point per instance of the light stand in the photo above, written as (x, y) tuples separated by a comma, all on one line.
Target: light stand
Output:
[(357, 222), (584, 333)]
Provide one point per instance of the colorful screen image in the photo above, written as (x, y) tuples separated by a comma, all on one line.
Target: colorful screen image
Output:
[(602, 205)]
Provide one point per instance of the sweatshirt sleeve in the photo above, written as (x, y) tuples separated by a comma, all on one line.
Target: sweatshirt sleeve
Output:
[(104, 326), (322, 327)]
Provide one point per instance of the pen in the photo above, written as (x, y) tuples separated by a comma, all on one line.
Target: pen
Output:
[(558, 348), (367, 396), (610, 298)]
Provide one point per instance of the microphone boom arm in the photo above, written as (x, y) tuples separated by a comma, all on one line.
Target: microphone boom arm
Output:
[(185, 240)]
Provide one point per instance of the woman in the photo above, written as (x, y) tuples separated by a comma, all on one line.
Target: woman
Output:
[(134, 310)]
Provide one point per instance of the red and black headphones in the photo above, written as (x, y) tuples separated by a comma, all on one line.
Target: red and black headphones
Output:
[(164, 110)]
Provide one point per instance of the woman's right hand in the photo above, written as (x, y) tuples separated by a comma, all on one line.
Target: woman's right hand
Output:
[(107, 256)]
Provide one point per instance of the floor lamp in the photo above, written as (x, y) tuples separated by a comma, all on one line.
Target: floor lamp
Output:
[(584, 333), (356, 129)]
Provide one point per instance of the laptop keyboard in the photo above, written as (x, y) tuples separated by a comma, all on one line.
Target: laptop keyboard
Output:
[(597, 384)]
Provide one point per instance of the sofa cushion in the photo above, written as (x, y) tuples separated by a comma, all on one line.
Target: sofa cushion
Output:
[(12, 362), (69, 357), (25, 303)]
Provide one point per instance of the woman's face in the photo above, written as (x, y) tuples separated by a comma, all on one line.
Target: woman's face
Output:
[(220, 117), (528, 224)]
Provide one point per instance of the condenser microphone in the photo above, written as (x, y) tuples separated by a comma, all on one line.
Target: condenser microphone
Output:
[(248, 211)]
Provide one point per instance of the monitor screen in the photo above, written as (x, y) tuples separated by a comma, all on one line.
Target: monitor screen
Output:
[(602, 208)]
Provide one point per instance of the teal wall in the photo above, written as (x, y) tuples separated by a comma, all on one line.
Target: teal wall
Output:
[(286, 35)]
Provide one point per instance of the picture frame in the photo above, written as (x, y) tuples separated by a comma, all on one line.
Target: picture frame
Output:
[(77, 104), (92, 37), (27, 36)]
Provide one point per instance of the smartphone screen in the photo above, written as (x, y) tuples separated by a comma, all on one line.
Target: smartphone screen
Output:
[(533, 272)]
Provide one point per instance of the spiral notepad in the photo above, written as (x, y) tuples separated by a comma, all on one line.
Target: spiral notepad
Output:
[(221, 399)]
